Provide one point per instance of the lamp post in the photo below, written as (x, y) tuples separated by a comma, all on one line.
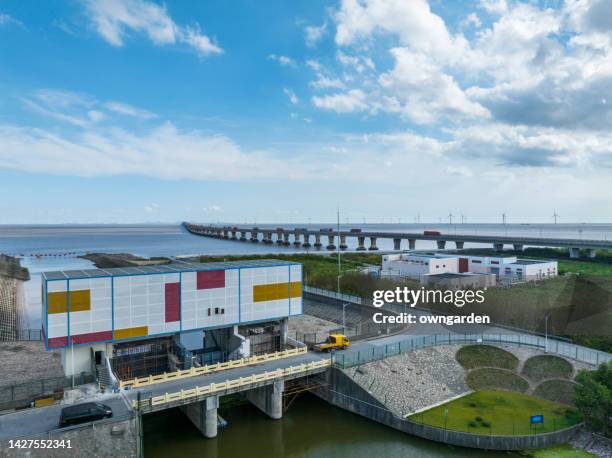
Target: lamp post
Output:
[(546, 332)]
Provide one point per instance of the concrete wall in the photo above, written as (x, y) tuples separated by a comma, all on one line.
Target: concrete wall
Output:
[(342, 392), (109, 438)]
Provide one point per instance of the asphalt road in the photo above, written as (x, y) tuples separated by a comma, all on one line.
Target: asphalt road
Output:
[(30, 422)]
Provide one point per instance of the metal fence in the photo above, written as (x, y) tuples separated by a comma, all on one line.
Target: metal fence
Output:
[(29, 334), (332, 294), (23, 393), (352, 358)]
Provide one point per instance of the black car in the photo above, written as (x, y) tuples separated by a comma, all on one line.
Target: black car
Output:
[(82, 413)]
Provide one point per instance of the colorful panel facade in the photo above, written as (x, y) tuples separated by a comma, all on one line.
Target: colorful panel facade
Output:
[(114, 307)]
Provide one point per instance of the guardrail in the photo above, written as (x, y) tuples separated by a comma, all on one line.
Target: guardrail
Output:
[(194, 371), (213, 388), (332, 294), (350, 358)]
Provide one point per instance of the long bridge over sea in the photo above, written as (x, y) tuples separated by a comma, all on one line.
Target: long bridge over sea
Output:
[(301, 237)]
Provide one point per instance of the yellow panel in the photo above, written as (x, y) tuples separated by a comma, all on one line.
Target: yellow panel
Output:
[(276, 291), (126, 333), (80, 300), (57, 302)]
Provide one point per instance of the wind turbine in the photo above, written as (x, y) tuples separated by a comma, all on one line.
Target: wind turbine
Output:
[(450, 218), (555, 216)]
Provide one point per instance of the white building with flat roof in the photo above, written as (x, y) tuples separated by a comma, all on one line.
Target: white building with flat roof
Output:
[(415, 265)]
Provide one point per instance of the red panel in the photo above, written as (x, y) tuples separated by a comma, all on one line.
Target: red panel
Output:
[(211, 279), (173, 300), (463, 265), (92, 337), (56, 342)]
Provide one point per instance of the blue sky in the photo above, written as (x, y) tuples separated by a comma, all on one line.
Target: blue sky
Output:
[(136, 110)]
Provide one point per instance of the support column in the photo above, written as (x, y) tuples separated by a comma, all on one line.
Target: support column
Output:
[(411, 244), (286, 239), (267, 237), (204, 415), (441, 244), (284, 331), (373, 246), (233, 237), (225, 234), (397, 243), (318, 243), (268, 399), (498, 247), (243, 236), (306, 243), (254, 234), (592, 253), (296, 238), (574, 252), (517, 246), (279, 236), (343, 245), (330, 242), (361, 240), (459, 245)]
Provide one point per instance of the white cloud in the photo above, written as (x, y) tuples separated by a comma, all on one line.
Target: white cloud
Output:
[(314, 65), (114, 19), (313, 34), (282, 60), (6, 19), (324, 82), (347, 102), (291, 95), (150, 208), (471, 20), (494, 6), (129, 110)]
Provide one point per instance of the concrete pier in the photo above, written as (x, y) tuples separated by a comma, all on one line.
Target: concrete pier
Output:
[(517, 247), (225, 234), (498, 247), (330, 242), (411, 244), (268, 399), (343, 245), (254, 235), (267, 237), (243, 236), (318, 243), (574, 252), (286, 239), (233, 237), (592, 253), (373, 246), (361, 241), (397, 243), (441, 244), (459, 245), (296, 238), (204, 415), (306, 243), (279, 236)]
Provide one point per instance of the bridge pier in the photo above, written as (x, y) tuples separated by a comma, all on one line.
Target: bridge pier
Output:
[(254, 235), (306, 243), (441, 244), (296, 238), (225, 234), (592, 253), (318, 243), (330, 242), (361, 246), (267, 237), (268, 399), (243, 236), (373, 246), (279, 236), (574, 252), (343, 245), (498, 247), (233, 237), (203, 415), (517, 246), (397, 243), (411, 244), (286, 239), (459, 245)]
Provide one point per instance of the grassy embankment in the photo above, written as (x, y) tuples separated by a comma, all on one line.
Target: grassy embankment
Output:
[(498, 413)]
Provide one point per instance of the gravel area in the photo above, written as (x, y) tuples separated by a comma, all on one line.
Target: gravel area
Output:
[(413, 381), (26, 361), (308, 324), (593, 443)]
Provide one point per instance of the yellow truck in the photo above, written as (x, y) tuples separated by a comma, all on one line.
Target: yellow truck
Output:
[(333, 342)]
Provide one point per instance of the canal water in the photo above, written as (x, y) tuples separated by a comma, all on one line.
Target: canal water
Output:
[(311, 428)]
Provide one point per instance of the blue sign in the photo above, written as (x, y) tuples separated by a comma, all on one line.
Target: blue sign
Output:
[(537, 419)]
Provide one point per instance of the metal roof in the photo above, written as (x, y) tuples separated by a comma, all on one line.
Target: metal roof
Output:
[(173, 267)]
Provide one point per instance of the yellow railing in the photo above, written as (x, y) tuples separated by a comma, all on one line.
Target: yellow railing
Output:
[(168, 376), (228, 384)]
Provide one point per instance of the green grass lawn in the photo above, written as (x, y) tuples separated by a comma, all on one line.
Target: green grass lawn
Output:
[(487, 378), (558, 451), (561, 391), (472, 356), (542, 367), (499, 413)]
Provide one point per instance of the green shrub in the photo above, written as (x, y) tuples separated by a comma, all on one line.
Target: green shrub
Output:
[(472, 356)]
